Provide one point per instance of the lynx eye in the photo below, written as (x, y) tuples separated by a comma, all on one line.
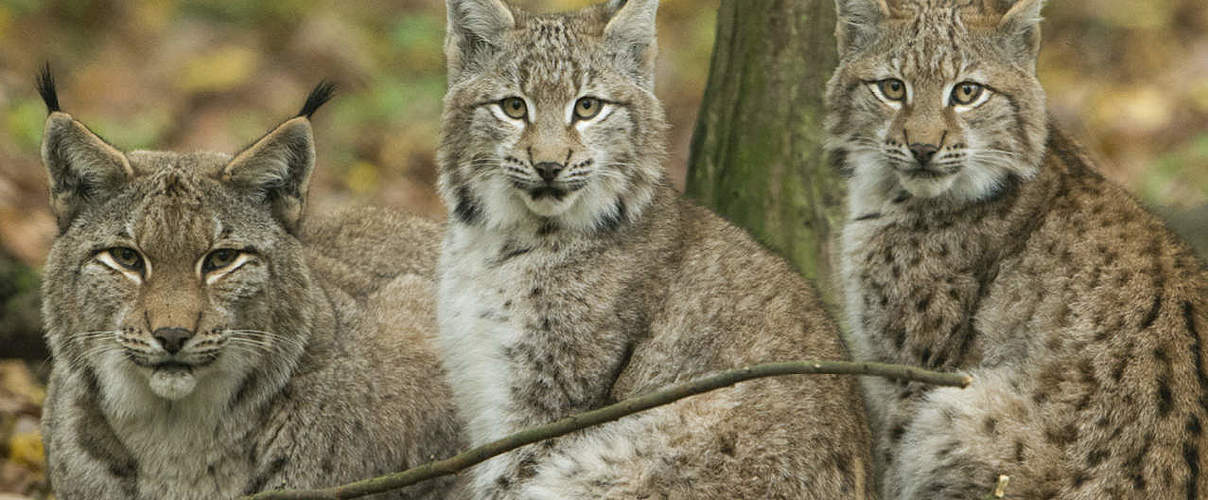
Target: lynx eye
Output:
[(514, 107), (966, 93), (126, 257), (219, 259), (587, 108), (893, 89)]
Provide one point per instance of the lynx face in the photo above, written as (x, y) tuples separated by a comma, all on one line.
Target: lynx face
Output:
[(171, 269), (174, 273), (938, 97), (553, 115)]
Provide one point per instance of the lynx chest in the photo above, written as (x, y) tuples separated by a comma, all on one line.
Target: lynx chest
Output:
[(527, 334), (483, 307)]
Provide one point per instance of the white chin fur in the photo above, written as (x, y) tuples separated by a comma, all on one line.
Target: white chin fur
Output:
[(922, 187), (173, 383), (548, 206)]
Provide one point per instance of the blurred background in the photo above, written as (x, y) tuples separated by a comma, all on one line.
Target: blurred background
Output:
[(1127, 77)]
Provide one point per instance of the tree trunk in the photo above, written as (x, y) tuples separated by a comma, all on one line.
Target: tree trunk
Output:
[(757, 151)]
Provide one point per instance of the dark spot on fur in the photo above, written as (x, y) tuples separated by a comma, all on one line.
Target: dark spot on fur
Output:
[(465, 207), (1196, 351), (510, 251), (896, 433), (1135, 464), (613, 219), (527, 468), (1062, 436), (1096, 457), (1191, 455), (990, 425), (547, 227), (1165, 398), (1118, 368)]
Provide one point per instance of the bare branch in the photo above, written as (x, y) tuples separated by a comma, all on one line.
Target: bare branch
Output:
[(609, 413)]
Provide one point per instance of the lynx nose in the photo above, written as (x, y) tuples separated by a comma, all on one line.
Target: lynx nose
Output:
[(923, 152), (172, 339), (548, 170)]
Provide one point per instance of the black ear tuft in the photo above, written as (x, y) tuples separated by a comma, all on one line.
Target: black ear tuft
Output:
[(46, 87), (320, 95)]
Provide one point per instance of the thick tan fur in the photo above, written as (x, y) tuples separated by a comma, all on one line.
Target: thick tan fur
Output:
[(306, 360), (1079, 315), (601, 283)]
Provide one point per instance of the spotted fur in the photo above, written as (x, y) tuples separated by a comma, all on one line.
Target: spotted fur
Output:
[(1078, 314), (550, 306), (305, 361)]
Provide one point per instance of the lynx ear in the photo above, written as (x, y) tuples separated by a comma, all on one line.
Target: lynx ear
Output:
[(276, 169), (631, 36), (475, 29), (1020, 29), (83, 168), (858, 22)]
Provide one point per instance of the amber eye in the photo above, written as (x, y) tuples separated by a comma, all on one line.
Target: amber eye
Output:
[(967, 92), (514, 107), (893, 89), (127, 258), (219, 259), (587, 108)]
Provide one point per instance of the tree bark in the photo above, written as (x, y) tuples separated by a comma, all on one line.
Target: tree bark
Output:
[(757, 151)]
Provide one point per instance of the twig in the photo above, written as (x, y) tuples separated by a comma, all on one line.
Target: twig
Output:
[(1000, 490), (609, 413)]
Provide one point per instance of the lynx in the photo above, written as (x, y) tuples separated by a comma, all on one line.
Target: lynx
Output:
[(208, 342), (574, 276), (982, 239)]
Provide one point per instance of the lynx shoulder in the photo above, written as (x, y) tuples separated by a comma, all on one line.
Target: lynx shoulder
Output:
[(981, 239), (207, 342), (573, 276)]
